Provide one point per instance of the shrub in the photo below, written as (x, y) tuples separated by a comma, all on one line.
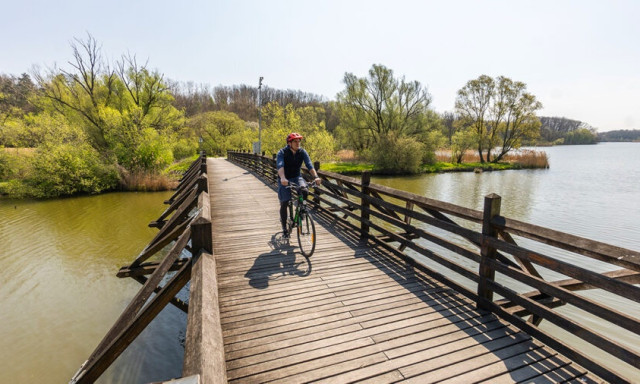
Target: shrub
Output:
[(67, 169), (392, 155), (184, 148), (16, 189)]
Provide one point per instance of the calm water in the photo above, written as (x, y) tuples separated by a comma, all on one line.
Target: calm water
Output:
[(59, 294)]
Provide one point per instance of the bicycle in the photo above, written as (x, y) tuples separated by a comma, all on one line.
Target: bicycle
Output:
[(302, 221)]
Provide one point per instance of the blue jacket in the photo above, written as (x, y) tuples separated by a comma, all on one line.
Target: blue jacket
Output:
[(292, 162)]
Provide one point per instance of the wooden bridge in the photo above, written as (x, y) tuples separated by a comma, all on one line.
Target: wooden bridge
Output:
[(368, 306)]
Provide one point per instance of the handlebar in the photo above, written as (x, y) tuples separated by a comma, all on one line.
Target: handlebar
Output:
[(312, 184)]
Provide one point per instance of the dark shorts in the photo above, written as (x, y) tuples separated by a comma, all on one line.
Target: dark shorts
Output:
[(284, 193)]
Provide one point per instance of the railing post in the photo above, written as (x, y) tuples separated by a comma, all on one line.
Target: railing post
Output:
[(203, 183), (201, 236), (491, 210), (203, 165), (364, 203), (316, 195)]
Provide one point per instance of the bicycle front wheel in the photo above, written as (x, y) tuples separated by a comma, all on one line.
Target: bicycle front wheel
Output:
[(306, 234)]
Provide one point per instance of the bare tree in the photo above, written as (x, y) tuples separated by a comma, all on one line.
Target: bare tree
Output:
[(84, 90)]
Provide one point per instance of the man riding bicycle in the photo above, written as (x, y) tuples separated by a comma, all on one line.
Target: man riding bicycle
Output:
[(288, 162)]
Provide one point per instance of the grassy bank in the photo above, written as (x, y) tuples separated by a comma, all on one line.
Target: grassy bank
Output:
[(525, 159)]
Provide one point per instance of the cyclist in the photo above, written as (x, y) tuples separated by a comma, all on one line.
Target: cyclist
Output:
[(288, 162)]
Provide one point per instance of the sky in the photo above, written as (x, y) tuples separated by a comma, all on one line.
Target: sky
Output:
[(580, 58)]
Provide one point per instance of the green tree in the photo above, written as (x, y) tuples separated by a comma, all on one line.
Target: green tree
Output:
[(277, 123), (309, 121), (127, 112), (15, 96), (379, 104), (515, 117), (581, 136), (500, 113), (221, 131), (66, 164), (462, 141), (472, 105)]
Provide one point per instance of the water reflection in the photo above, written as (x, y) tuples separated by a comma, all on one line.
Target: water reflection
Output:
[(59, 294)]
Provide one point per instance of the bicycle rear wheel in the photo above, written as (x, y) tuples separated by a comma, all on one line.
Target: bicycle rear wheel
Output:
[(306, 234)]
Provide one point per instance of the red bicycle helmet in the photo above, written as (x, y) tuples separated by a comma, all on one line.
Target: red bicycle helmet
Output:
[(293, 136)]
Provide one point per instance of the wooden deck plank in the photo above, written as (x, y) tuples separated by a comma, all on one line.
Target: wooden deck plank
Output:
[(350, 313)]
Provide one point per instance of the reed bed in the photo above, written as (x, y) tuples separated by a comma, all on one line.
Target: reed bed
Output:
[(146, 182), (523, 158), (528, 158)]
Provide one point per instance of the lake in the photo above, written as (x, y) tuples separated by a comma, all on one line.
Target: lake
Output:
[(59, 294)]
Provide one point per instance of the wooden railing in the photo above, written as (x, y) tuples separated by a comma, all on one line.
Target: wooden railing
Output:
[(427, 233), (186, 224)]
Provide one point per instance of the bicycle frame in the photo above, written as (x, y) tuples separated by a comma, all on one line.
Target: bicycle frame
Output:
[(299, 205)]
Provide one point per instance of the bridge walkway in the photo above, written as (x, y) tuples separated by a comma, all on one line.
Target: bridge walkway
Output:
[(352, 312)]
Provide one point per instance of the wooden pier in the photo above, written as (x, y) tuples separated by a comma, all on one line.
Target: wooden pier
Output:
[(365, 307)]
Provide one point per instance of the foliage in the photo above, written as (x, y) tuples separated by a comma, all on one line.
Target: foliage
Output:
[(346, 168), (467, 167), (136, 146), (242, 100), (431, 141), (278, 122), (317, 140), (70, 168), (449, 127), (373, 107), (397, 155), (126, 112), (15, 95), (460, 143), (500, 113), (185, 148), (555, 128), (65, 164), (321, 146), (620, 135), (180, 167), (8, 164), (581, 136), (221, 131)]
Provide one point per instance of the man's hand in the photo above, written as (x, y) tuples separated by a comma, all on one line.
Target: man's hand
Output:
[(284, 181), (318, 181)]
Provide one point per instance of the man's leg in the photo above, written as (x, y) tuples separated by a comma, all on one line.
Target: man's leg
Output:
[(284, 195), (283, 216)]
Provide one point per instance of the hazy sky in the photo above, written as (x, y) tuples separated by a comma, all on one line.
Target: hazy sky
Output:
[(580, 58)]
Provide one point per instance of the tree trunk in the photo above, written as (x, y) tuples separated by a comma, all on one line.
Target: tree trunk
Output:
[(480, 153)]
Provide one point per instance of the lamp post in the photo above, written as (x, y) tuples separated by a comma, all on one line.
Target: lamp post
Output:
[(260, 115)]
